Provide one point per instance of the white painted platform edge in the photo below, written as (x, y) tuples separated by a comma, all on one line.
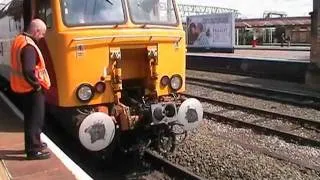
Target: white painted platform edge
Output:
[(72, 166), (6, 169)]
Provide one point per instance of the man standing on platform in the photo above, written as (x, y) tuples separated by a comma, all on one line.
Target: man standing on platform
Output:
[(283, 39), (28, 78)]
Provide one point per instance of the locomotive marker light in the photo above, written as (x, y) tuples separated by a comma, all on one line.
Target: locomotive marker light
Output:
[(85, 92), (100, 87), (97, 131), (165, 81), (190, 114)]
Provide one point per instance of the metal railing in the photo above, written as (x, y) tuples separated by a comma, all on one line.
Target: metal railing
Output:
[(188, 10)]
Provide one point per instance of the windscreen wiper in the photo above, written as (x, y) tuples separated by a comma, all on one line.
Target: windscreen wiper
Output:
[(109, 2)]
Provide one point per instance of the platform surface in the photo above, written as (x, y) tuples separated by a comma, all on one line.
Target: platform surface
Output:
[(261, 55), (13, 164)]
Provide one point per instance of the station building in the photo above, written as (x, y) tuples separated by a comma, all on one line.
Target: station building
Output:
[(268, 31)]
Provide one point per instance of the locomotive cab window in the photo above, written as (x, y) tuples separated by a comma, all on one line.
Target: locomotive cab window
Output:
[(153, 12), (44, 12), (92, 12)]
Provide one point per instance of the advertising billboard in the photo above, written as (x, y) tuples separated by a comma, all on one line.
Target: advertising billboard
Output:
[(213, 31)]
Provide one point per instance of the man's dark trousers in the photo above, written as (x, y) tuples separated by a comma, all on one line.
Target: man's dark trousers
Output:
[(34, 111)]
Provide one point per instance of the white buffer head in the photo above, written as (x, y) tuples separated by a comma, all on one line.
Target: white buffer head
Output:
[(190, 114), (97, 131)]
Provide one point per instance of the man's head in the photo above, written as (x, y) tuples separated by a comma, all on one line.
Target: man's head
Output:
[(37, 29)]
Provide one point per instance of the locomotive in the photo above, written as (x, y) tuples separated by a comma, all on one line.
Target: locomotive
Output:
[(117, 69)]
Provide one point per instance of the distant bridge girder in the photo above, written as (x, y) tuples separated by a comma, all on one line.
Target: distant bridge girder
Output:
[(189, 10), (268, 14)]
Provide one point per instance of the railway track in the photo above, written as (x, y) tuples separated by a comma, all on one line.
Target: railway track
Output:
[(291, 129), (173, 170), (299, 99), (124, 168)]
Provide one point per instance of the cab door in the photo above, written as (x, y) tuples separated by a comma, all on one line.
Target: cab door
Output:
[(43, 9)]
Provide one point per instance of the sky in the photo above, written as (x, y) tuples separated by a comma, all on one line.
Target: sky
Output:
[(255, 8)]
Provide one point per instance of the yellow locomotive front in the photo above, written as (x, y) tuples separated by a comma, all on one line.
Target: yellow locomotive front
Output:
[(117, 69)]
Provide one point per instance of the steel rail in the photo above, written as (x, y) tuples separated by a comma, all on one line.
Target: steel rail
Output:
[(267, 130), (299, 99), (293, 119), (273, 154), (173, 170)]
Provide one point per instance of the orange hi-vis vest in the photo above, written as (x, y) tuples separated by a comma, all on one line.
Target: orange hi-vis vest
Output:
[(17, 81)]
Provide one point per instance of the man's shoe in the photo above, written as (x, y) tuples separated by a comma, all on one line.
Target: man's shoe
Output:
[(38, 155), (43, 146)]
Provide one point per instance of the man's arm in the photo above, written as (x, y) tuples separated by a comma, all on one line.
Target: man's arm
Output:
[(28, 62)]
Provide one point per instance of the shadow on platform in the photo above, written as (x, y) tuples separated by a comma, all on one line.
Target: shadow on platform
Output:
[(9, 121), (10, 125), (13, 155)]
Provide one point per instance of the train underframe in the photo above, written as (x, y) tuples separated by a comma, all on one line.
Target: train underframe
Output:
[(139, 122), (138, 117)]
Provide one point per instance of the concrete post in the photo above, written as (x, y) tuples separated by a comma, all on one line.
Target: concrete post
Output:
[(313, 73)]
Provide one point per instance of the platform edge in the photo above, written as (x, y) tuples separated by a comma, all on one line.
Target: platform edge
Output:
[(70, 165), (4, 173)]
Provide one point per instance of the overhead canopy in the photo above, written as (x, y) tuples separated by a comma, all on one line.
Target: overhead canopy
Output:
[(273, 22), (13, 9)]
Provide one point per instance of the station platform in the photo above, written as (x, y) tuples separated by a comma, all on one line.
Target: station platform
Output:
[(261, 54), (13, 163), (269, 64)]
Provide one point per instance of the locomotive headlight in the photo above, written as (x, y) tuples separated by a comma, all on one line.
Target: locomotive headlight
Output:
[(176, 82), (85, 92)]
